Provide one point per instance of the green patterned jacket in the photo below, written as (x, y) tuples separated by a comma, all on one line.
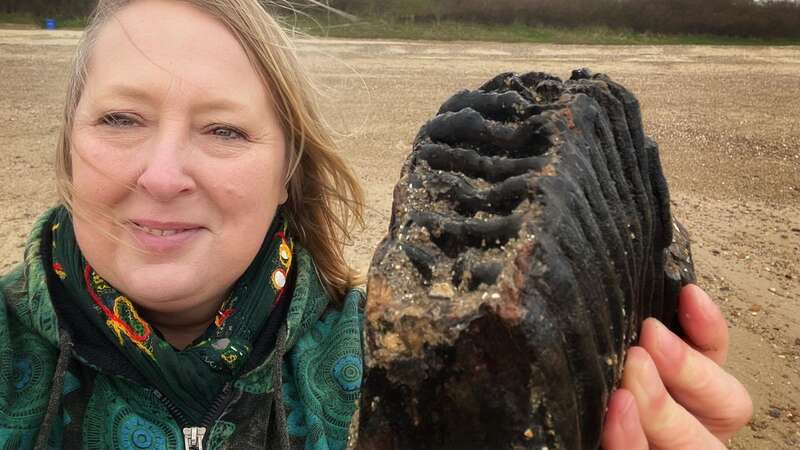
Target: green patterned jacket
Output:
[(56, 393)]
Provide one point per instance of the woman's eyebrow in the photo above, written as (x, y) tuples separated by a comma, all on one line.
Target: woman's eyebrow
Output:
[(129, 92), (153, 96)]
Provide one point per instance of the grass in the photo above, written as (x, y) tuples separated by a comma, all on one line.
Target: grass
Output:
[(382, 28)]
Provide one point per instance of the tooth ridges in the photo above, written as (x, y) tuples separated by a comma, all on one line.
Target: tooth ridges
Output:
[(159, 232), (530, 236)]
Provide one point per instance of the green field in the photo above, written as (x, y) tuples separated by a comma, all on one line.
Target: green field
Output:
[(378, 28), (381, 28)]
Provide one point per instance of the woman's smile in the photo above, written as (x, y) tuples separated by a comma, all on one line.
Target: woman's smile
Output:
[(162, 237)]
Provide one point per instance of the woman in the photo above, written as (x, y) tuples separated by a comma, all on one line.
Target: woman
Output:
[(191, 292)]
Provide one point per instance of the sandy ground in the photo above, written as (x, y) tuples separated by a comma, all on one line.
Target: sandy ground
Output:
[(726, 119)]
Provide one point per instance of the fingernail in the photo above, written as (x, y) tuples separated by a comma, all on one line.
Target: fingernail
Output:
[(704, 304), (669, 345)]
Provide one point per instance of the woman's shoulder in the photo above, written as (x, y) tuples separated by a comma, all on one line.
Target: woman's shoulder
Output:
[(28, 360), (24, 294), (25, 310), (11, 284), (356, 299), (13, 296)]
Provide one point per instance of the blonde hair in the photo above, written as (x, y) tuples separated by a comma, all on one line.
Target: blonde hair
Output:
[(325, 198)]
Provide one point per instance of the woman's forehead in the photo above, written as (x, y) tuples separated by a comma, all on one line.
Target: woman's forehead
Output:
[(158, 45)]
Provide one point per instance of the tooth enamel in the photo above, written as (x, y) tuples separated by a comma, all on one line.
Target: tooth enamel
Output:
[(157, 232)]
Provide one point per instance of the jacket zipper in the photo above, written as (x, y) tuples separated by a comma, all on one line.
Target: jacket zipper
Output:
[(193, 436)]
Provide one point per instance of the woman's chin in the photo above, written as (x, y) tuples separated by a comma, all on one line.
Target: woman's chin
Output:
[(158, 289)]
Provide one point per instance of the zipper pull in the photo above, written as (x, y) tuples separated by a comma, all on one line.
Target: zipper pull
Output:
[(193, 438)]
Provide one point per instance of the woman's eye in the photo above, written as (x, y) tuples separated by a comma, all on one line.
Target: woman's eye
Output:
[(227, 133), (118, 120)]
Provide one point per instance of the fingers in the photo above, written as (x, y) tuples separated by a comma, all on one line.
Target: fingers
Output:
[(666, 424), (703, 323), (715, 397), (622, 430), (697, 404)]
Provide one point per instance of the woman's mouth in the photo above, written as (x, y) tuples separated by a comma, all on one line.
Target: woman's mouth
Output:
[(161, 237), (162, 231)]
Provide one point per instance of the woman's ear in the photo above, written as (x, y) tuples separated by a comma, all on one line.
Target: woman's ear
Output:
[(284, 194)]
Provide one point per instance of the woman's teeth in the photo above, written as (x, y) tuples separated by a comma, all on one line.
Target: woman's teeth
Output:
[(157, 232)]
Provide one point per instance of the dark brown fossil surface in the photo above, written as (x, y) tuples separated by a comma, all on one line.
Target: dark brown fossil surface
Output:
[(531, 234)]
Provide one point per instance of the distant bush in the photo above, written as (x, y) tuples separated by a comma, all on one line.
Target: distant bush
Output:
[(745, 18), (48, 8)]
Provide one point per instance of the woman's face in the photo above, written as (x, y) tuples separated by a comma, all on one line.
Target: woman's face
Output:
[(175, 135)]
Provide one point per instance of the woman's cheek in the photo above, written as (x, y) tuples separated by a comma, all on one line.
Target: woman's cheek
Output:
[(246, 181), (247, 202), (100, 174)]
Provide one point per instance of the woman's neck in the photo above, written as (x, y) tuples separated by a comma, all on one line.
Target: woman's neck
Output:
[(181, 329), (181, 337)]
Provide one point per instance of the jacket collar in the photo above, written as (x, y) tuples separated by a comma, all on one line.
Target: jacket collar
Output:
[(35, 309)]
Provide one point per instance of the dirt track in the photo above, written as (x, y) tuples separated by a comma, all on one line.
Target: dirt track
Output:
[(727, 120)]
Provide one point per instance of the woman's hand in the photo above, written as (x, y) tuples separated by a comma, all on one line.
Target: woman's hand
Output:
[(675, 394)]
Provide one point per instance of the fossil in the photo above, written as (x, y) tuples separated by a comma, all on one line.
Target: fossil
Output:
[(530, 235)]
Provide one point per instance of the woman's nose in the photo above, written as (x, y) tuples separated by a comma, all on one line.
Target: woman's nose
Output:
[(165, 175)]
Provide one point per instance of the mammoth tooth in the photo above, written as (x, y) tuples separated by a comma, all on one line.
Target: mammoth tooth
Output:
[(506, 106), (531, 234), (470, 129), (472, 164)]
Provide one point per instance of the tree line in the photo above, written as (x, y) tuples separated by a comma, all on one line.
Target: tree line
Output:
[(48, 8), (748, 18)]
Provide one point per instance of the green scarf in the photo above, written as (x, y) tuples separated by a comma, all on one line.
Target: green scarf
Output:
[(192, 378)]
